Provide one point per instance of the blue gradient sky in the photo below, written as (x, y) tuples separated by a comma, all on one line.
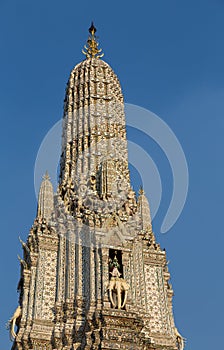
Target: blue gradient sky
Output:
[(168, 55)]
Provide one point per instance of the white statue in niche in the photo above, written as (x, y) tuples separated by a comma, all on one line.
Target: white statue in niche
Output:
[(117, 286)]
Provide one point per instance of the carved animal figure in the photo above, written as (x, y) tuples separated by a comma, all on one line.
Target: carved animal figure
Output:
[(12, 322), (180, 340), (118, 285)]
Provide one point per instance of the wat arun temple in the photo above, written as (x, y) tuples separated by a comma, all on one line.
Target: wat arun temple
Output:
[(93, 275)]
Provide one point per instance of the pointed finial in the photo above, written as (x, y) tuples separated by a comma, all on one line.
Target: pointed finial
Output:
[(141, 191), (46, 198), (144, 210), (46, 176), (91, 48), (92, 29)]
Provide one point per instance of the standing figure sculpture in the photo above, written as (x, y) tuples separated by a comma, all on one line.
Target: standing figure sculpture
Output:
[(117, 286)]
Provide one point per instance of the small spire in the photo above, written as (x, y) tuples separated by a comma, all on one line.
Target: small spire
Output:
[(91, 48), (45, 198), (46, 176), (141, 191), (144, 210)]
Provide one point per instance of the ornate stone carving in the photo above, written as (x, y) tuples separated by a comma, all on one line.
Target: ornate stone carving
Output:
[(117, 286), (180, 340), (14, 321), (69, 297)]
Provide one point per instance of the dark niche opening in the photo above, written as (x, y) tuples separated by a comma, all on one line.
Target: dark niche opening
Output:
[(115, 260)]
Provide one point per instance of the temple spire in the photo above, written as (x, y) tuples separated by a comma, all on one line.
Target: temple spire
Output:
[(144, 210), (92, 275), (46, 198), (91, 48)]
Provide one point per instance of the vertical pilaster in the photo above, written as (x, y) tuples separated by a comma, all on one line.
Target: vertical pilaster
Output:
[(105, 276)]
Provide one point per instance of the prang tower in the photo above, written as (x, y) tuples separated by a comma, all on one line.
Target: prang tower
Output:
[(92, 274)]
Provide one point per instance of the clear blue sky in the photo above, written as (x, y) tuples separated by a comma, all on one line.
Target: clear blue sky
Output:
[(169, 57)]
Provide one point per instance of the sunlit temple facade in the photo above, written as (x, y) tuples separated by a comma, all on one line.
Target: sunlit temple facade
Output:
[(92, 274)]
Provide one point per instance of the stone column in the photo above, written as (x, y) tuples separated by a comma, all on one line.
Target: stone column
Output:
[(105, 276)]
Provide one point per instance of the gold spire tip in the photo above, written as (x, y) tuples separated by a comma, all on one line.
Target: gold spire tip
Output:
[(91, 49), (92, 29)]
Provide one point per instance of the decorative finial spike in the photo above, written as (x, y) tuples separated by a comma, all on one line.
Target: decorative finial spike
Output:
[(46, 176), (141, 191), (91, 48), (92, 29)]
